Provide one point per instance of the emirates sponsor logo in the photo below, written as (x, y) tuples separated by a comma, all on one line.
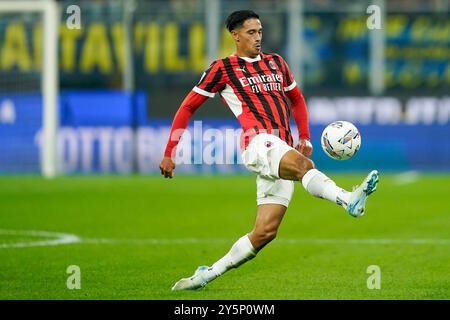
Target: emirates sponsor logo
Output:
[(263, 82)]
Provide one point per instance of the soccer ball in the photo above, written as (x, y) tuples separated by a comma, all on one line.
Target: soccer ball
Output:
[(340, 140)]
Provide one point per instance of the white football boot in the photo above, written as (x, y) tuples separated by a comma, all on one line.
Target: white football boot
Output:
[(198, 280), (358, 196)]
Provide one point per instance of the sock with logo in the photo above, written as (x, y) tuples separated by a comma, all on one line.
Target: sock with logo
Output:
[(321, 186), (241, 252)]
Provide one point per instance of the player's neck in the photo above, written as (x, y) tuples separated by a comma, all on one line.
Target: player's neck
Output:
[(248, 57)]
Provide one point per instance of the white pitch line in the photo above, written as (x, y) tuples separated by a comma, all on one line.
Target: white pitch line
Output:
[(406, 178), (60, 238), (366, 241), (161, 241), (67, 238)]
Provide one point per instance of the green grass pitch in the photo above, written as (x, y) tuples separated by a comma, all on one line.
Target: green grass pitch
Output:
[(138, 235)]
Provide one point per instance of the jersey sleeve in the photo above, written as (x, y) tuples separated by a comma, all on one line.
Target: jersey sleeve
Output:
[(212, 80), (189, 105), (288, 79), (299, 112)]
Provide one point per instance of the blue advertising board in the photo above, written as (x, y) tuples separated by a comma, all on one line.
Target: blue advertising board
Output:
[(109, 132)]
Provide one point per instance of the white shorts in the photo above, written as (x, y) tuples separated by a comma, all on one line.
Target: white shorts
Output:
[(262, 157)]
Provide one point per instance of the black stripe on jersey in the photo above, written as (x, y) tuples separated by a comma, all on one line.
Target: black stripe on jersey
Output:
[(215, 80), (265, 104), (280, 109), (288, 108), (284, 69), (204, 77), (289, 127), (277, 60), (233, 78), (289, 77)]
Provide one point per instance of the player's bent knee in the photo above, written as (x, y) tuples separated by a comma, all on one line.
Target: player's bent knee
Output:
[(294, 165), (309, 164), (304, 164)]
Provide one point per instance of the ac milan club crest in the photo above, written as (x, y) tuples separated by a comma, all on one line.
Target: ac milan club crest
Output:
[(272, 65), (268, 144)]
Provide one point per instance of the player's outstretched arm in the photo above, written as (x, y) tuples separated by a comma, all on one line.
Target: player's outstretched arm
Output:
[(189, 105), (300, 114)]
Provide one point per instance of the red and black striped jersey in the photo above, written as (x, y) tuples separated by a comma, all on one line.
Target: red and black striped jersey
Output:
[(254, 90)]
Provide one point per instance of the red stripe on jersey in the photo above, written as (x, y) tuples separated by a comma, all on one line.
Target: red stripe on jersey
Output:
[(270, 102), (256, 87), (259, 100), (230, 64), (278, 99), (206, 77), (287, 76), (214, 78)]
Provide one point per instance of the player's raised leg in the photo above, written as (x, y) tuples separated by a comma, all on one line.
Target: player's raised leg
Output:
[(297, 167), (268, 219)]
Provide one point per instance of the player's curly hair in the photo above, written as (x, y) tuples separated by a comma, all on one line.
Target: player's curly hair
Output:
[(237, 18)]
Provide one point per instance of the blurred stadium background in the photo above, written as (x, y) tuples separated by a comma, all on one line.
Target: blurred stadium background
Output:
[(118, 82), (123, 74)]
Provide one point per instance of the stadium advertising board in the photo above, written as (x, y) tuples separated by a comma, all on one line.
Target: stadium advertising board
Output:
[(118, 137)]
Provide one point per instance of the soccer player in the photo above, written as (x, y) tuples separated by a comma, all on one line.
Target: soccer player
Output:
[(255, 86)]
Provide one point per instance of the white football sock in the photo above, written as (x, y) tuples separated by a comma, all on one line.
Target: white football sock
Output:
[(319, 185), (241, 251)]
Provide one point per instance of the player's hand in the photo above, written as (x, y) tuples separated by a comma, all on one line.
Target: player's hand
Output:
[(167, 166), (304, 147)]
